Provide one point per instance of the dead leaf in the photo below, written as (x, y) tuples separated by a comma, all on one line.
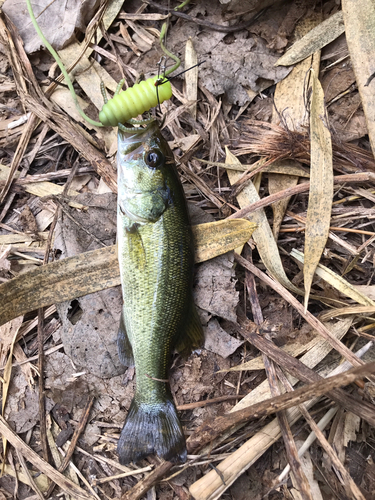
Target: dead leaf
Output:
[(262, 235), (22, 410), (90, 323), (360, 36), (321, 186), (90, 335), (214, 238), (219, 341), (215, 290), (233, 64), (57, 20), (316, 39), (112, 396)]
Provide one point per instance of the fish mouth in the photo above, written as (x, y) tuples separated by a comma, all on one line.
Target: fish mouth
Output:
[(135, 139)]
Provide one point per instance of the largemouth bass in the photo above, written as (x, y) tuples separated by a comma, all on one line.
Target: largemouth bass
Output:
[(156, 257)]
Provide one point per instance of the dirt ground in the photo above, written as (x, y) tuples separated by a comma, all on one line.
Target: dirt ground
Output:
[(249, 131)]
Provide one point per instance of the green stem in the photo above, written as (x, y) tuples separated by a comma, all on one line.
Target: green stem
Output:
[(61, 66)]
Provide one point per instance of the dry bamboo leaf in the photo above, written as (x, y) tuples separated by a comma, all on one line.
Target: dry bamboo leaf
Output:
[(40, 479), (191, 77), (359, 21), (290, 107), (97, 270), (12, 239), (277, 183), (321, 186), (290, 168), (8, 336), (337, 281), (290, 98), (262, 235), (316, 39), (62, 280), (342, 311), (215, 238)]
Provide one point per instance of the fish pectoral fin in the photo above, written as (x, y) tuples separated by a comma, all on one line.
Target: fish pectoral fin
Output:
[(136, 249), (125, 351), (192, 337)]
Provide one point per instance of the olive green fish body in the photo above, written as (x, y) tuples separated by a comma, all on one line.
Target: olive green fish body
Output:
[(156, 258)]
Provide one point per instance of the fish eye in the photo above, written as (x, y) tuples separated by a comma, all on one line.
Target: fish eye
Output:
[(154, 158)]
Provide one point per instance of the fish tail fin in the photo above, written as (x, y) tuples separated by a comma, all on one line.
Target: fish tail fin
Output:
[(152, 429)]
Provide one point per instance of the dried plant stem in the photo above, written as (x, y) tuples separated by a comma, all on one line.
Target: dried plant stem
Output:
[(77, 432), (199, 404), (42, 409), (290, 446), (349, 484), (66, 484), (299, 370), (300, 188)]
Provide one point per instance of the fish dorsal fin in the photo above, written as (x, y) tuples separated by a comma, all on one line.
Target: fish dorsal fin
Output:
[(192, 337), (125, 351)]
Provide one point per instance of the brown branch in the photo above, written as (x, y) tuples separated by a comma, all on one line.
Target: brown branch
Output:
[(207, 24), (42, 408), (199, 404), (300, 188)]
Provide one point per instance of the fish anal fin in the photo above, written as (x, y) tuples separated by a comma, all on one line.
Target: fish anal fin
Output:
[(125, 351), (192, 337)]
